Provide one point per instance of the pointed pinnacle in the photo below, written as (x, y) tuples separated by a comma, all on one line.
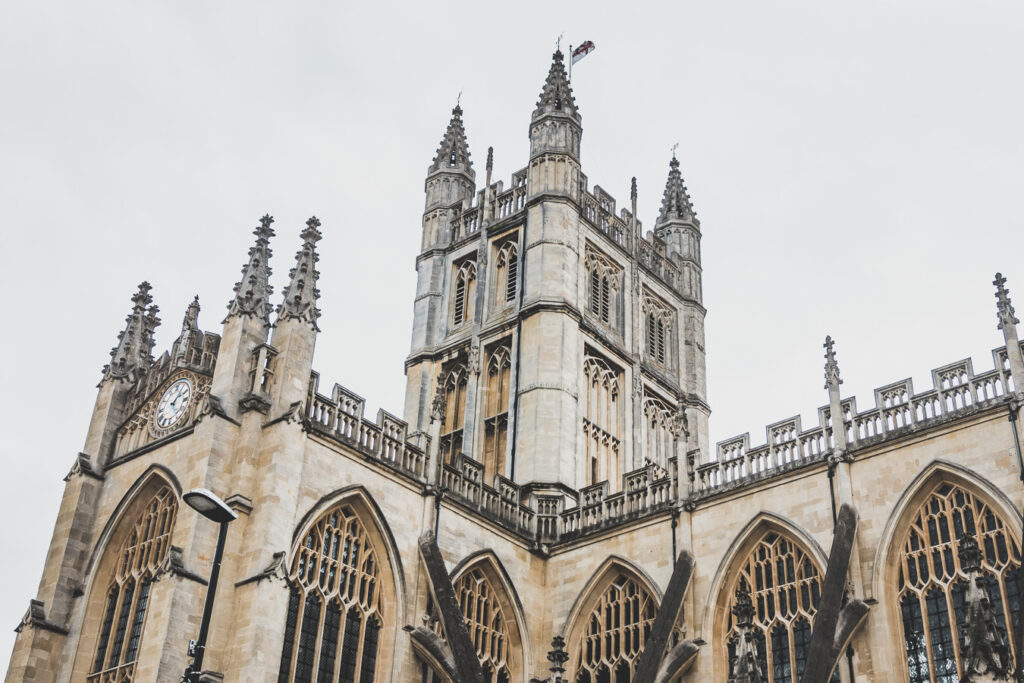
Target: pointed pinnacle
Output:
[(135, 343), (1004, 307), (556, 95), (252, 292), (301, 294), (453, 152), (675, 203)]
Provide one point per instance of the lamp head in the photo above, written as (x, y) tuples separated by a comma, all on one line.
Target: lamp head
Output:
[(206, 503)]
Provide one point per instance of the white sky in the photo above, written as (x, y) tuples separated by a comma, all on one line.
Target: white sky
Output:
[(856, 167)]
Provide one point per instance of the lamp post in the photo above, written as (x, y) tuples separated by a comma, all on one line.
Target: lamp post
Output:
[(206, 503)]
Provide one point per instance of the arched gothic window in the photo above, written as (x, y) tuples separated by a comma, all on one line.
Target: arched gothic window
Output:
[(496, 410), (658, 437), (453, 385), (507, 271), (334, 622), (127, 596), (492, 631), (465, 285), (602, 287), (658, 323), (932, 582), (615, 632), (785, 588), (602, 423)]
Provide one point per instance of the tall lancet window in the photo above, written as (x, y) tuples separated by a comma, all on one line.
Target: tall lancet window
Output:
[(499, 362), (932, 583), (602, 423), (127, 596), (334, 622), (616, 629), (657, 330), (658, 440), (785, 588), (453, 384), (507, 273), (462, 295), (602, 284)]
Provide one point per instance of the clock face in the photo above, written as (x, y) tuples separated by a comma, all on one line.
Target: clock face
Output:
[(173, 403)]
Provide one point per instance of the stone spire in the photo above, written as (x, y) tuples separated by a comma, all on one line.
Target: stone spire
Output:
[(985, 655), (556, 95), (252, 292), (675, 204), (189, 330), (745, 668), (301, 293), (453, 152), (133, 353), (1004, 307)]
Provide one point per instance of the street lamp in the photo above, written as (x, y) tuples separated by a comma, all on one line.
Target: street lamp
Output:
[(206, 503)]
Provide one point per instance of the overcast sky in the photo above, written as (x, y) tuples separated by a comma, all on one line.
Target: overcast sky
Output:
[(856, 167)]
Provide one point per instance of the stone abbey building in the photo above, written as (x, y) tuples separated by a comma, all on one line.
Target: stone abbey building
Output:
[(549, 507)]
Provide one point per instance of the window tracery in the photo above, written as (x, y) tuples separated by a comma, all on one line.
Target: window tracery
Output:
[(334, 609), (465, 286), (453, 383), (127, 596), (603, 277), (499, 364), (507, 271), (784, 587), (602, 422), (658, 436), (932, 582), (616, 630)]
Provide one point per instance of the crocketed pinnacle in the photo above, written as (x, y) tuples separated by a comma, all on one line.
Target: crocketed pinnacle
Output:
[(453, 152), (252, 292), (832, 378), (301, 293), (133, 353), (1004, 307), (675, 204), (556, 96), (982, 648)]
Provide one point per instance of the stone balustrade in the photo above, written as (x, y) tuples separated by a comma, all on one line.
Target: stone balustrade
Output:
[(956, 391)]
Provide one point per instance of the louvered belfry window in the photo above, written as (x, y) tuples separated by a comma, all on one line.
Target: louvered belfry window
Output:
[(658, 323), (932, 582), (334, 619), (465, 286), (127, 596), (602, 421), (785, 588), (602, 286), (453, 386), (507, 271)]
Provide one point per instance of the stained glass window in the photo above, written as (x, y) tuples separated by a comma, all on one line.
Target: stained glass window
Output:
[(616, 630)]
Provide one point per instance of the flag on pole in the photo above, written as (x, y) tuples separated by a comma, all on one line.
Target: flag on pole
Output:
[(582, 51)]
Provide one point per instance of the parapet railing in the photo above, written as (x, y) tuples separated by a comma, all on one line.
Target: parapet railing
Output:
[(957, 391), (341, 417), (646, 490)]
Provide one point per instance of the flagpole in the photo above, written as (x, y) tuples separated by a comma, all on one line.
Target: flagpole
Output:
[(570, 62)]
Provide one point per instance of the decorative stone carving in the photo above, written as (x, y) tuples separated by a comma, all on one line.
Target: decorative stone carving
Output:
[(558, 657), (745, 668), (252, 292), (133, 354), (1004, 307), (982, 648), (301, 294), (832, 378)]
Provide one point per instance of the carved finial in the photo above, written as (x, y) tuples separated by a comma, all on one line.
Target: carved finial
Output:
[(558, 657), (558, 43), (252, 292), (632, 189), (1004, 307), (982, 648), (458, 100), (832, 378), (490, 164), (301, 294), (675, 203), (453, 152), (133, 353), (674, 148)]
